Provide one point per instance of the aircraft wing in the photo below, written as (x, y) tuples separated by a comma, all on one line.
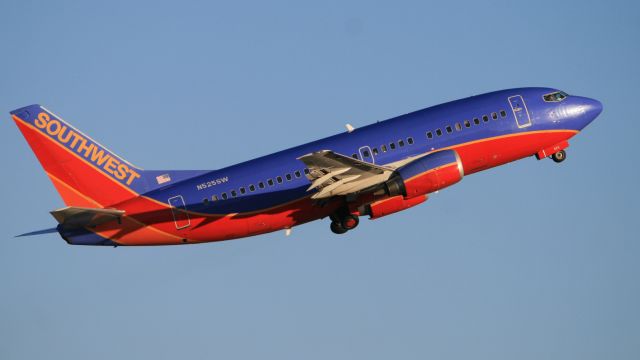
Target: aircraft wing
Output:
[(76, 217), (334, 174)]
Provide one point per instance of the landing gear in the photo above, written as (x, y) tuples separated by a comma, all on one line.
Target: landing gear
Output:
[(349, 222), (559, 156), (340, 224), (337, 228)]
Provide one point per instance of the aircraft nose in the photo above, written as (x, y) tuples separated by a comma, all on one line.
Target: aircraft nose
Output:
[(593, 108), (587, 110)]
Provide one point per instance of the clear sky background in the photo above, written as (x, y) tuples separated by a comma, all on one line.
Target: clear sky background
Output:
[(532, 260)]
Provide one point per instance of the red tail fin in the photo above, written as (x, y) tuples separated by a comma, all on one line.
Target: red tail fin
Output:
[(84, 172)]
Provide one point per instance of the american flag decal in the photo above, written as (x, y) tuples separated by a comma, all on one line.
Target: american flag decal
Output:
[(161, 179)]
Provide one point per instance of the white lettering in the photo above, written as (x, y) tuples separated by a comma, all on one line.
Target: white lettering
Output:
[(212, 182)]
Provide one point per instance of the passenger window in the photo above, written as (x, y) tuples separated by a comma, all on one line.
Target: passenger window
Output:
[(234, 193), (410, 140), (214, 197), (467, 123), (438, 132), (205, 201), (279, 179), (494, 115), (355, 156), (288, 176), (252, 188), (261, 185), (392, 146), (306, 171), (458, 127), (503, 113), (242, 190), (297, 174), (384, 148), (270, 182), (366, 153), (224, 196), (401, 143), (485, 118), (429, 135), (375, 151), (476, 121), (449, 129)]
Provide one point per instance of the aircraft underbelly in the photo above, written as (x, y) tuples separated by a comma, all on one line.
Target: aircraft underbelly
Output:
[(482, 155)]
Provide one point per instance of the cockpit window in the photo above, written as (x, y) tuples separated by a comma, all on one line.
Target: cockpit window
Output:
[(555, 96)]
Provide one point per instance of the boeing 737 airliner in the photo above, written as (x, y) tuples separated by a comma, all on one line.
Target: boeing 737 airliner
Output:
[(373, 171)]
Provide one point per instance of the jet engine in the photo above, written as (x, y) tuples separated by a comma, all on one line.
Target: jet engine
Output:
[(425, 175), (391, 205)]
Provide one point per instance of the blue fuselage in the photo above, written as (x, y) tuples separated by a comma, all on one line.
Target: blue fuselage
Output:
[(458, 122)]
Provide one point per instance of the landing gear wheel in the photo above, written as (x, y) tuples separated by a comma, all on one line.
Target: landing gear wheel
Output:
[(336, 228), (559, 157), (349, 222)]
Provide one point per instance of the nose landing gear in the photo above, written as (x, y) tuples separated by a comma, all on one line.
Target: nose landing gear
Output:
[(555, 152), (559, 156), (340, 224)]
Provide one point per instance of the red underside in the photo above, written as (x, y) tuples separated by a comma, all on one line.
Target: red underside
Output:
[(484, 154), (149, 222)]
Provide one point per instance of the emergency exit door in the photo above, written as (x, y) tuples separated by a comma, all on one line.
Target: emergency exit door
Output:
[(366, 154), (520, 111)]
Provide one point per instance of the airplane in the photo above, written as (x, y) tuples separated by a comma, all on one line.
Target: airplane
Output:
[(375, 171)]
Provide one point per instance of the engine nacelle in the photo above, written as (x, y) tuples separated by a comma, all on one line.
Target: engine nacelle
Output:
[(430, 173), (391, 205)]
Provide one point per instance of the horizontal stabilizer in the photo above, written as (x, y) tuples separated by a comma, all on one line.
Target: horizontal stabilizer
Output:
[(39, 232), (77, 217)]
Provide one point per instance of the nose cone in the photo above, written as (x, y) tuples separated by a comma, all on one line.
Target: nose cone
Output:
[(587, 110), (593, 108)]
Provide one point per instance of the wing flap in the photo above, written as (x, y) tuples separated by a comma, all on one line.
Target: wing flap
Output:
[(328, 191), (333, 174), (324, 178)]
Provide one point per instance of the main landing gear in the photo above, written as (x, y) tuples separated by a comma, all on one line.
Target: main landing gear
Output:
[(559, 156), (341, 223)]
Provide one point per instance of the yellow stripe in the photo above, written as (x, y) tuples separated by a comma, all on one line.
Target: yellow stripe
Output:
[(74, 189), (508, 135)]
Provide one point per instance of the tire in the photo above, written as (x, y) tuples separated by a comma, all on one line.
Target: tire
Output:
[(336, 228), (559, 157), (349, 222)]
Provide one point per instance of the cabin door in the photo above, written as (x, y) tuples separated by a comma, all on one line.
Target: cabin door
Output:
[(366, 154), (520, 111), (179, 211)]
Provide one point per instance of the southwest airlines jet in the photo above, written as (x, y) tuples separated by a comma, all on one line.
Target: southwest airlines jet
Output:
[(373, 171)]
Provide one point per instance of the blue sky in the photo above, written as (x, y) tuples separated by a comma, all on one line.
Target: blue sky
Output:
[(530, 260)]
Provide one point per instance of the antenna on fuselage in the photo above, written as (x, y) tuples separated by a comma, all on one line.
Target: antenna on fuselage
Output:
[(349, 127)]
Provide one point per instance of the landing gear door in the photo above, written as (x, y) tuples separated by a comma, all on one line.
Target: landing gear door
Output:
[(520, 111), (179, 211)]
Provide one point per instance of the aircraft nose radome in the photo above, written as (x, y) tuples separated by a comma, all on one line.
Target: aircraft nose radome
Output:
[(589, 109), (594, 107)]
